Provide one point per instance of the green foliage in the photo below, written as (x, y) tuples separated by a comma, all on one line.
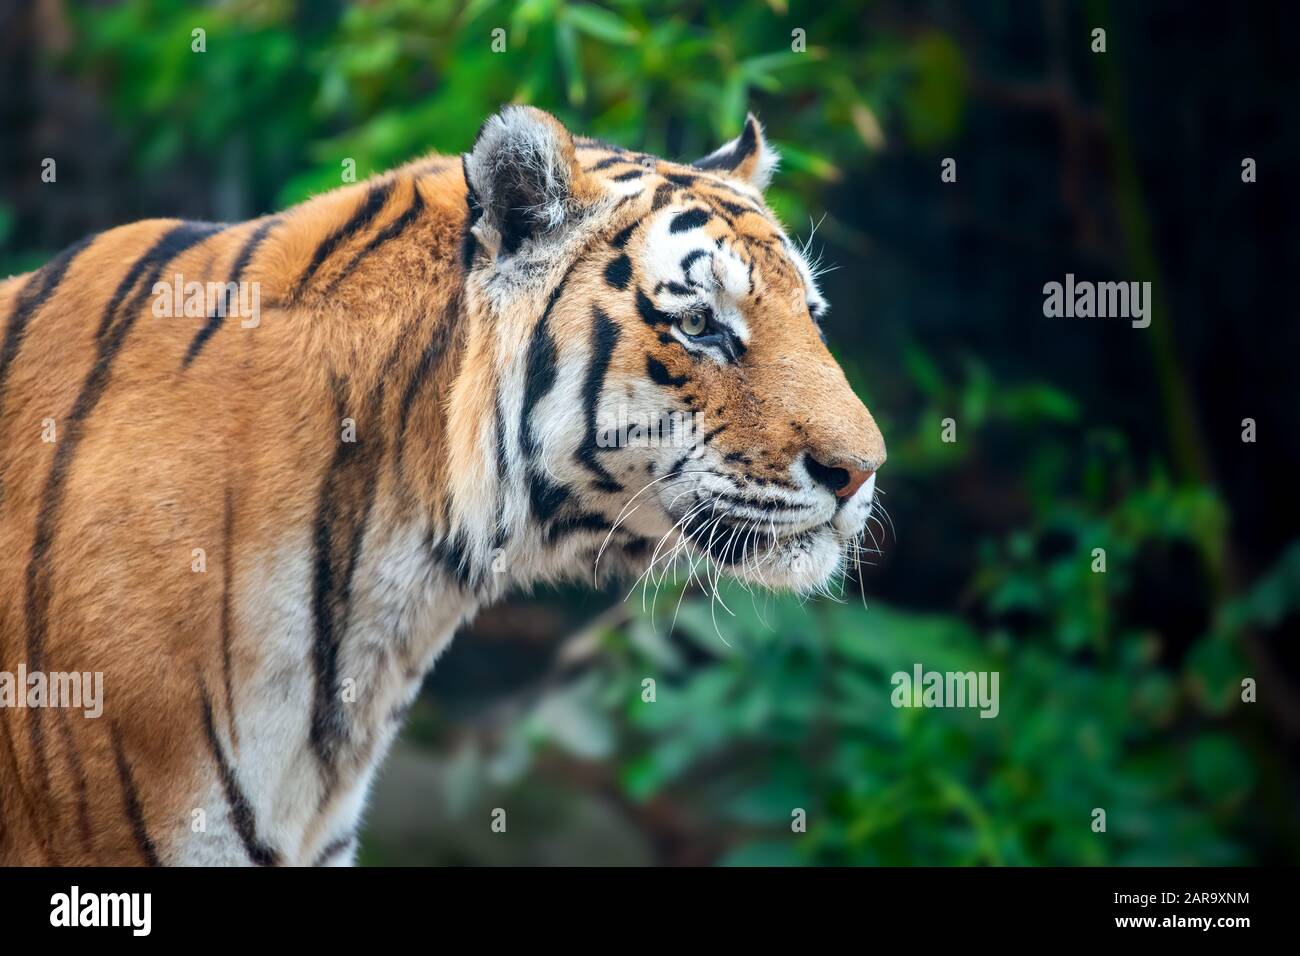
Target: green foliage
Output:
[(794, 711), (381, 83)]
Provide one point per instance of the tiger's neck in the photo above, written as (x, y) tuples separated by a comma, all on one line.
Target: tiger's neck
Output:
[(436, 496), (450, 370)]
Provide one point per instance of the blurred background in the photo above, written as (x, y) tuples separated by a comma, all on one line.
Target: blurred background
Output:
[(1119, 690)]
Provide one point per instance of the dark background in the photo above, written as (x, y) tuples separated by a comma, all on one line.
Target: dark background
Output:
[(1120, 690)]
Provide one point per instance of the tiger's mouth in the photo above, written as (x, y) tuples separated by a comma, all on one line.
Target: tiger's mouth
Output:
[(808, 544), (770, 552), (731, 541)]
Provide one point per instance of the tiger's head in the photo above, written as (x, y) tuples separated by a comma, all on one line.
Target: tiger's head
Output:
[(652, 363)]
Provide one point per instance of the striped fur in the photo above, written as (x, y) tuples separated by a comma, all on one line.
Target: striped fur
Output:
[(262, 530)]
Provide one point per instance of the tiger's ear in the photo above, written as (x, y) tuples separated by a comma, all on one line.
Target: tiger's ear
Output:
[(747, 157), (524, 178)]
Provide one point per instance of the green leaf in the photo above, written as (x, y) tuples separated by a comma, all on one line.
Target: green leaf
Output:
[(566, 44), (601, 24), (800, 160)]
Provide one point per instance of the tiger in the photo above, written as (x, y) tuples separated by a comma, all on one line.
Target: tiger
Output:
[(261, 518)]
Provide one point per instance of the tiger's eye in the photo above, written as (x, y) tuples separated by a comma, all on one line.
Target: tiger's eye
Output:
[(695, 323)]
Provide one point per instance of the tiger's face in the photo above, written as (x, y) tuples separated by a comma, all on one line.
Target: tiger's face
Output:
[(676, 387)]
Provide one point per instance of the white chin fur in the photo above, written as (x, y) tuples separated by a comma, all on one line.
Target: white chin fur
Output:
[(803, 564)]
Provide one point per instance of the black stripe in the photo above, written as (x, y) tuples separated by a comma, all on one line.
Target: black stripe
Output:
[(623, 235), (541, 366), (740, 150), (79, 779), (539, 379), (688, 220), (629, 175), (735, 191), (452, 554), (430, 361), (586, 521), (116, 323), (346, 498), (689, 260), (430, 358), (771, 506), (662, 195), (736, 208), (241, 811), (227, 583), (607, 162), (468, 244), (649, 314), (604, 336), (369, 208), (168, 246), (540, 369), (545, 497), (619, 272), (660, 375), (333, 849), (676, 469), (215, 320), (387, 234), (499, 425), (35, 293), (676, 288), (131, 798)]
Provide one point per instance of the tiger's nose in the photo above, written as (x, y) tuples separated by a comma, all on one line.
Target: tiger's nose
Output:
[(842, 480)]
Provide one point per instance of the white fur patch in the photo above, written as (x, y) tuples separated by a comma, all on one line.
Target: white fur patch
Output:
[(718, 279)]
